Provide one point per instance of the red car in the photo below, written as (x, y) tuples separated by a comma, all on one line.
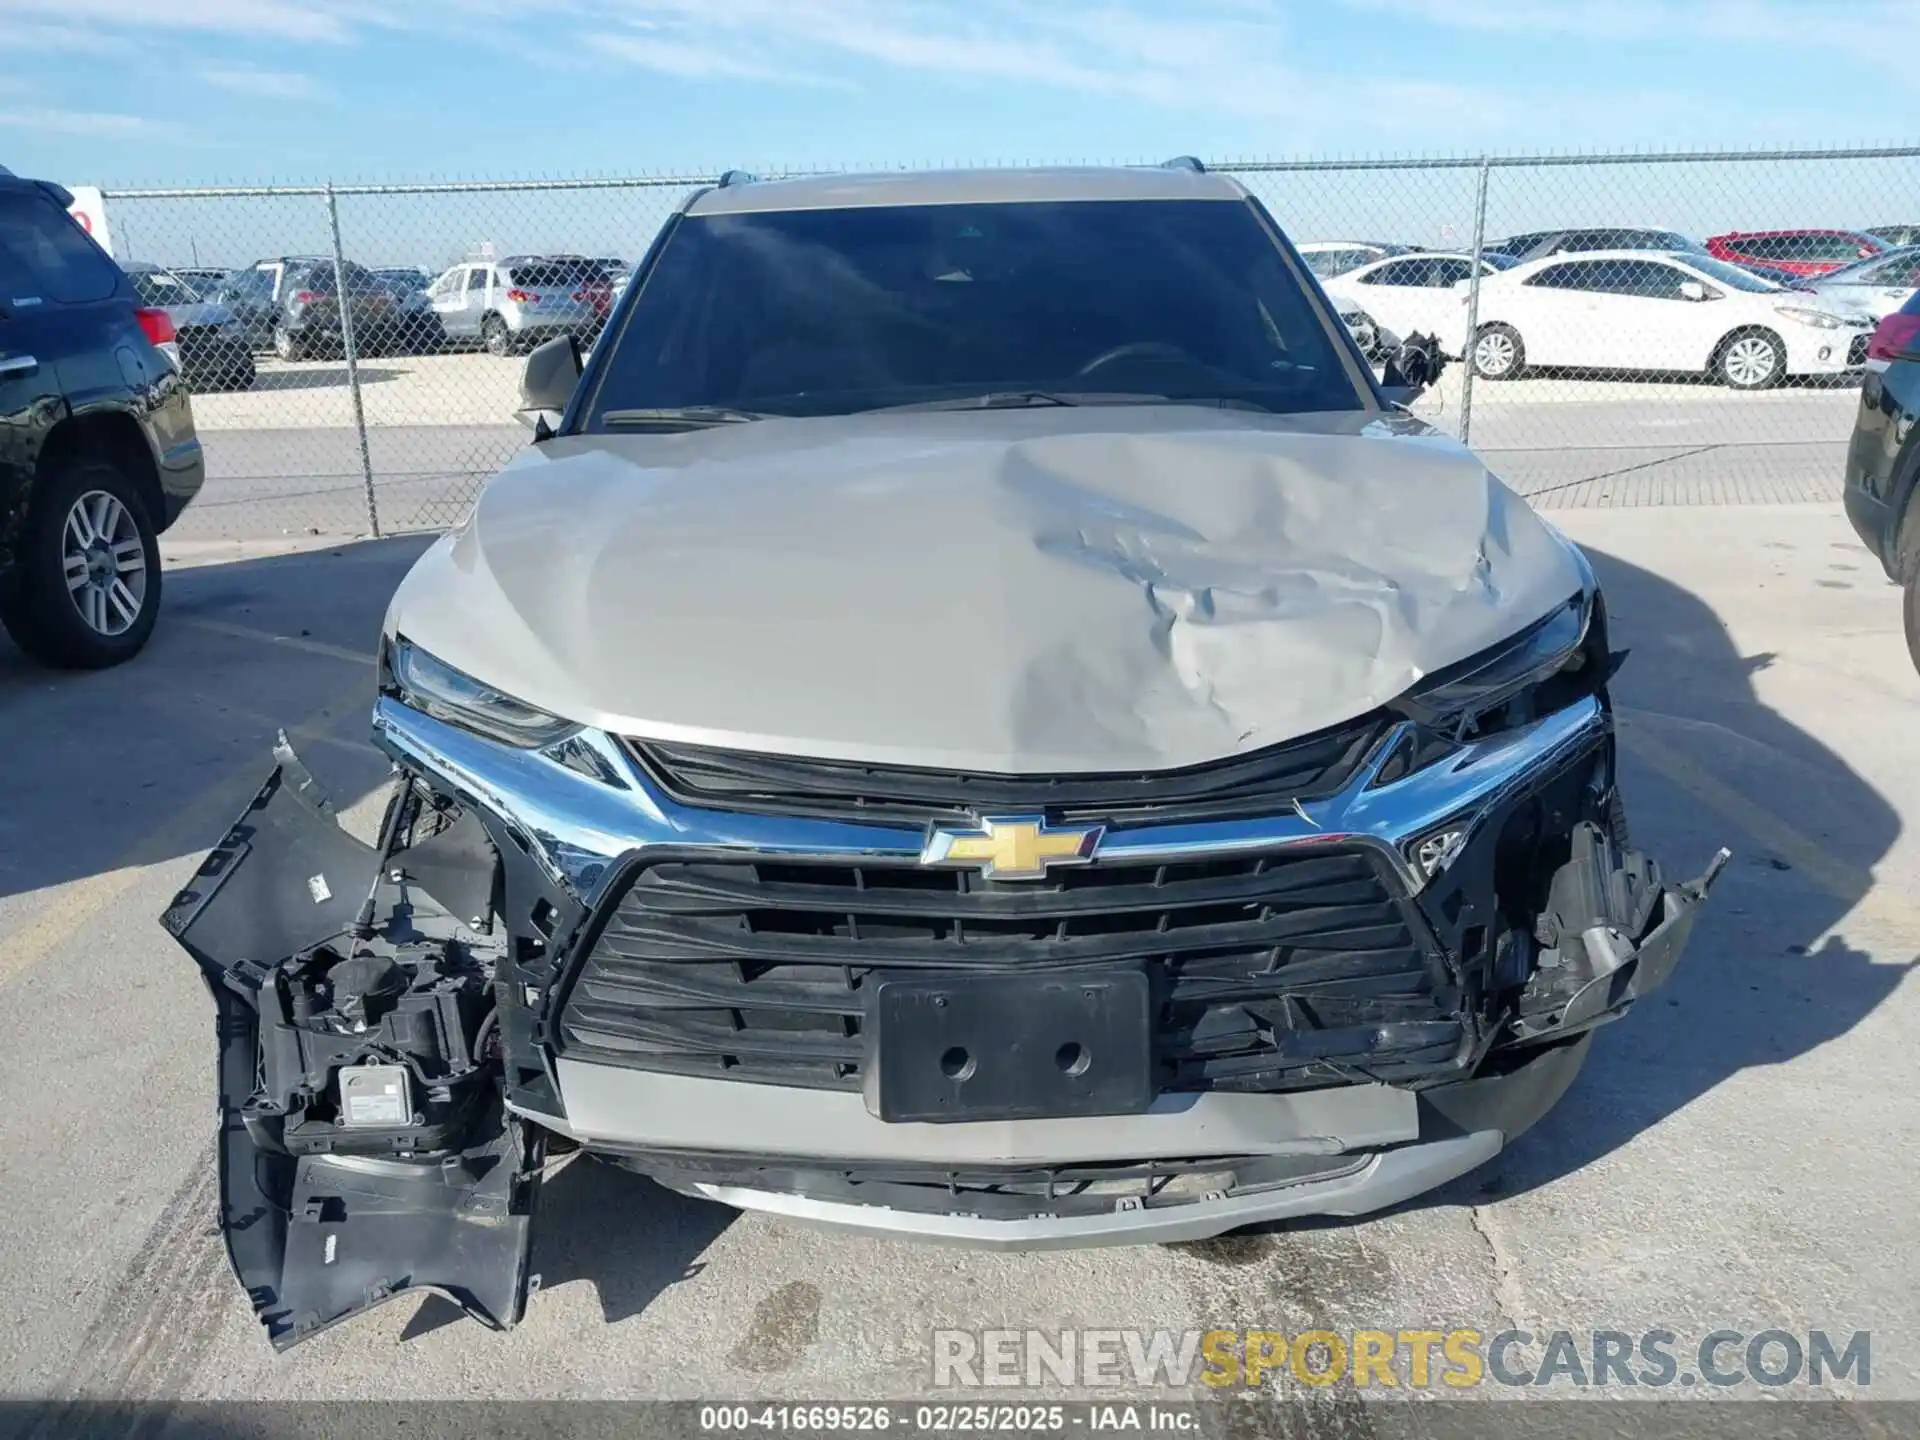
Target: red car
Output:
[(1797, 252)]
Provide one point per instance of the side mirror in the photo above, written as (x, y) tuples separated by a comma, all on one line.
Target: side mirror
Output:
[(1412, 368), (1692, 290), (547, 384)]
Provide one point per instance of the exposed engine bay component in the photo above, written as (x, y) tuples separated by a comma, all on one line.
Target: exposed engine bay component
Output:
[(1590, 965), (364, 1148)]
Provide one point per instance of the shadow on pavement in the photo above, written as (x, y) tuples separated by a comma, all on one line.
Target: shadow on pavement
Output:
[(333, 377), (628, 1237), (1762, 981), (136, 765)]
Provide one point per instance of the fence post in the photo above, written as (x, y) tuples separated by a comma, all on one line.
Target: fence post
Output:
[(340, 295), (1473, 304)]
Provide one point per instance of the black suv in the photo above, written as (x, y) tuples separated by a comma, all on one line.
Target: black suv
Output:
[(1883, 461), (98, 453)]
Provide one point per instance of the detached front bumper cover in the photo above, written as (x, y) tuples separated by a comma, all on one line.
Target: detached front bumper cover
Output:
[(318, 1236)]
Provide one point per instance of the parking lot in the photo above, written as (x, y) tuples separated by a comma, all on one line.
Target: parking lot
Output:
[(1738, 1155)]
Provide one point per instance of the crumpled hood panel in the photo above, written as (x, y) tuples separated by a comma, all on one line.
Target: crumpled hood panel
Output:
[(1058, 589)]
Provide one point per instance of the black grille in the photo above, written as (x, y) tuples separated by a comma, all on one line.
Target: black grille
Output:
[(1261, 783), (1269, 971), (1857, 350)]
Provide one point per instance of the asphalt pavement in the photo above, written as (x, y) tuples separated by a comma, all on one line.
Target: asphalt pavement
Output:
[(1738, 1154)]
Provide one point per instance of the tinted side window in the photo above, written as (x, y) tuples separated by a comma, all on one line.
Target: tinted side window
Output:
[(56, 259), (1400, 272), (1644, 278), (1441, 273), (1760, 247), (1564, 277), (476, 279), (1824, 247)]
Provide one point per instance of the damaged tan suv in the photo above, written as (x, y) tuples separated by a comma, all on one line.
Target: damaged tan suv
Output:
[(976, 719)]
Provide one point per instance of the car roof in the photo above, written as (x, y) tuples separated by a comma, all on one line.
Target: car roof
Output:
[(1586, 257), (965, 187), (1801, 230)]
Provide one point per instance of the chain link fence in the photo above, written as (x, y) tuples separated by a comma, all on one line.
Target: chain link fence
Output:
[(1633, 329)]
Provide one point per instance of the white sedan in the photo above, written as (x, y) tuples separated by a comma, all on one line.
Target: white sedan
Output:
[(1647, 311), (1417, 293)]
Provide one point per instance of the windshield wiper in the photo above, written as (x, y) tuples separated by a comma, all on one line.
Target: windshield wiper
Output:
[(990, 400), (681, 416), (1023, 399)]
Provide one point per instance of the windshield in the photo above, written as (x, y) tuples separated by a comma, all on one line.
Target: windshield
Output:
[(1897, 267), (163, 287), (1682, 244), (1732, 276), (829, 312), (556, 274)]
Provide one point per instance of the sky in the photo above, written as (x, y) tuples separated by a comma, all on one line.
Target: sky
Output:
[(129, 92)]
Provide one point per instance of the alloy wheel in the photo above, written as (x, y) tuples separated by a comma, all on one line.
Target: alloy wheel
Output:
[(1493, 353), (105, 561), (1751, 361)]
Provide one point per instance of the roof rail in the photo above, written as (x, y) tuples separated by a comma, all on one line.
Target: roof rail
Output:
[(737, 177), (1184, 162)]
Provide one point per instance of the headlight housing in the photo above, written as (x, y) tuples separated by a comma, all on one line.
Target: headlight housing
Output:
[(1543, 668), (1818, 319), (435, 688)]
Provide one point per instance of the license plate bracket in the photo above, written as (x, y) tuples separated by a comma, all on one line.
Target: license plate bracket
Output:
[(954, 1048)]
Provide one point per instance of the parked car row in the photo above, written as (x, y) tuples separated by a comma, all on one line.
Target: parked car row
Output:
[(1636, 299), (290, 304)]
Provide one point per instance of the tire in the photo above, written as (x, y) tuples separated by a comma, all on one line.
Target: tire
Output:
[(1910, 612), (85, 626), (287, 345), (1498, 353), (495, 336), (1751, 360)]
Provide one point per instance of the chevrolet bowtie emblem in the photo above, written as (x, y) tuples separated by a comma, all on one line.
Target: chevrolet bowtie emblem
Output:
[(1012, 848)]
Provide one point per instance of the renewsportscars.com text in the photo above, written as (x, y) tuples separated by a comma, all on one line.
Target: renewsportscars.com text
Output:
[(1457, 1358)]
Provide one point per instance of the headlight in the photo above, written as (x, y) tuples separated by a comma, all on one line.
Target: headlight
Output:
[(437, 689), (1819, 319), (1458, 700)]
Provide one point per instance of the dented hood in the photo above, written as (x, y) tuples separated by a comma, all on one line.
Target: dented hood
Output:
[(1088, 588)]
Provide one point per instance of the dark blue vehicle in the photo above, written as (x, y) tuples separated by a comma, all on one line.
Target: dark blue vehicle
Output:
[(98, 452), (1883, 462)]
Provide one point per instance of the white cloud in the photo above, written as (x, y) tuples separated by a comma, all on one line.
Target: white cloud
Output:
[(99, 124), (28, 37), (251, 80), (1861, 29), (285, 19), (684, 58)]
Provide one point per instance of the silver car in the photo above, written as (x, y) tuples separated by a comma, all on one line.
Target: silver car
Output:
[(976, 719), (1879, 285), (511, 305)]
